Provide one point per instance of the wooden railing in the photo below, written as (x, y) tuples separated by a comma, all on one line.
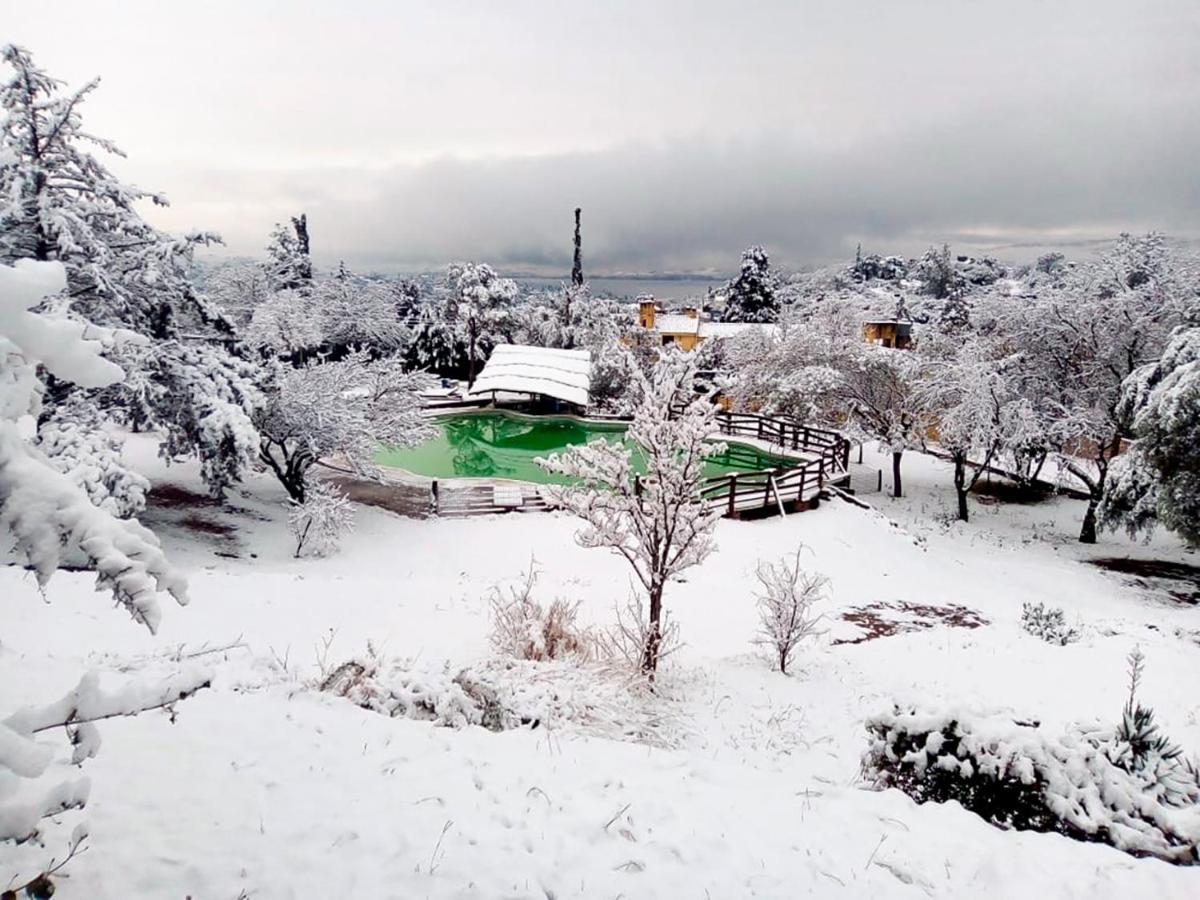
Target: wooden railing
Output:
[(768, 489)]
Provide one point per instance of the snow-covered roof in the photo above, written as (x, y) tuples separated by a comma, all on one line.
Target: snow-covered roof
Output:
[(729, 329), (565, 374), (674, 323)]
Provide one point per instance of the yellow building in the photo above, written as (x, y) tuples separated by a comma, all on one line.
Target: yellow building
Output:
[(687, 329), (889, 333)]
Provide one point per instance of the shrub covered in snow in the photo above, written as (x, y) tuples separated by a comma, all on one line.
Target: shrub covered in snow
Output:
[(504, 694), (1127, 786), (785, 606), (320, 520), (524, 629), (1048, 624)]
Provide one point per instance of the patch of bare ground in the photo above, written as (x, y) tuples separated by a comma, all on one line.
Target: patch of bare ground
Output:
[(1178, 581), (884, 619), (1004, 490), (175, 506)]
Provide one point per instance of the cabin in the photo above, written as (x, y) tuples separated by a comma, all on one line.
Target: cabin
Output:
[(888, 333), (687, 329)]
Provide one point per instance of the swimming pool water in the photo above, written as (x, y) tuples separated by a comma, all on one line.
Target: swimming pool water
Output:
[(505, 445)]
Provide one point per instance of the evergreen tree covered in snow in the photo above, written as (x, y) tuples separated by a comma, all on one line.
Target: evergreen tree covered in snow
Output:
[(480, 304), (46, 511), (46, 508), (436, 345), (1158, 480), (751, 297), (75, 442), (288, 266), (58, 202), (658, 522), (937, 272)]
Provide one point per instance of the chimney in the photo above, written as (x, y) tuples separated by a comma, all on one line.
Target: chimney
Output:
[(646, 310)]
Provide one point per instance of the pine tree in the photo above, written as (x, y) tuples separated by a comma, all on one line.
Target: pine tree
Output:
[(288, 266), (577, 266), (751, 296), (59, 203)]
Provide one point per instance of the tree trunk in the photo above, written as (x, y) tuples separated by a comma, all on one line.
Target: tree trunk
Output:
[(654, 633), (960, 487), (1087, 535), (471, 354), (896, 454)]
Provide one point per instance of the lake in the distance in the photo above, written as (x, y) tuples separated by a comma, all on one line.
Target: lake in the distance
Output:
[(660, 288)]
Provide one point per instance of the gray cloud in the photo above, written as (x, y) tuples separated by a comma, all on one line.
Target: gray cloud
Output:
[(413, 134), (986, 177)]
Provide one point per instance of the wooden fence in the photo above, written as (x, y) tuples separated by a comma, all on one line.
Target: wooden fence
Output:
[(795, 486)]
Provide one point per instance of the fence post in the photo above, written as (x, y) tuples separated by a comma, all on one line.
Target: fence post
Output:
[(433, 500), (732, 493), (807, 437)]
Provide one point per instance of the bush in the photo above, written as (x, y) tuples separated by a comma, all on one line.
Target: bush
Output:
[(1128, 786), (1048, 624), (523, 629), (785, 606), (320, 521)]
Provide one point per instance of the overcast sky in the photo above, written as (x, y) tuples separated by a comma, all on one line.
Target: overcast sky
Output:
[(417, 133)]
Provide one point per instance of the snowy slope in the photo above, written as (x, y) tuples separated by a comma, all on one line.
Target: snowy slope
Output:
[(266, 787)]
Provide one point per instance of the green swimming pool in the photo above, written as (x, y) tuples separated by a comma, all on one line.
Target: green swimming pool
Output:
[(505, 445)]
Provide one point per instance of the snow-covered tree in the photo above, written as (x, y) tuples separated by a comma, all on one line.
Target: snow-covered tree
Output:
[(353, 313), (76, 443), (878, 390), (1158, 480), (345, 409), (479, 303), (288, 266), (437, 345), (1082, 338), (750, 297), (657, 521), (793, 372), (970, 397), (58, 202), (237, 289), (937, 273), (319, 522), (50, 516), (285, 325), (205, 401)]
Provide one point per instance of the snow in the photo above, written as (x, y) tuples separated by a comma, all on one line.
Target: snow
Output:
[(674, 323), (262, 784), (564, 374)]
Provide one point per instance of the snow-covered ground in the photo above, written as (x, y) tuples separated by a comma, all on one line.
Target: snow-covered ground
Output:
[(263, 787)]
